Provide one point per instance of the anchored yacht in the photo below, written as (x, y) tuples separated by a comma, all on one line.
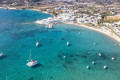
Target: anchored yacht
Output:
[(105, 67), (99, 54), (113, 58), (87, 67), (31, 63), (37, 44), (93, 62), (68, 43), (64, 57), (1, 54)]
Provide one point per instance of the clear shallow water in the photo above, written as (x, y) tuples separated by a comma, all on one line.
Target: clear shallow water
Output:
[(18, 35)]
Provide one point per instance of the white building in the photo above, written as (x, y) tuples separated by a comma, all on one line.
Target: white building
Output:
[(84, 18), (66, 17)]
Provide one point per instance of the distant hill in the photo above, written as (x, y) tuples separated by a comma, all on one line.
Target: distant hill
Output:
[(100, 1), (96, 1)]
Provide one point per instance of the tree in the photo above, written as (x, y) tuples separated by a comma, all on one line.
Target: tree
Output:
[(54, 13)]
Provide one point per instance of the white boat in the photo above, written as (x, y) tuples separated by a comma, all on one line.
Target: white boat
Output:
[(50, 26), (113, 58), (37, 44), (68, 43), (94, 43), (1, 54), (87, 67), (105, 67), (31, 63), (64, 57), (99, 54), (93, 62)]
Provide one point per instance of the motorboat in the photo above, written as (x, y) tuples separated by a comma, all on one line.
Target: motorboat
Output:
[(37, 44), (99, 54), (105, 67), (113, 58), (68, 43), (87, 67), (1, 54), (64, 57), (93, 62)]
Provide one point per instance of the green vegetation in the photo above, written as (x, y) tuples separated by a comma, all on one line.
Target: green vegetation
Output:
[(93, 10), (104, 15), (54, 13)]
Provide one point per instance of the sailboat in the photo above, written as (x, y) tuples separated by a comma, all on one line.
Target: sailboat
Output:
[(31, 63), (37, 43), (68, 43), (1, 54)]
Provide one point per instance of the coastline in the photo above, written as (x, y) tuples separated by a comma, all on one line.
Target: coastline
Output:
[(103, 31), (100, 30)]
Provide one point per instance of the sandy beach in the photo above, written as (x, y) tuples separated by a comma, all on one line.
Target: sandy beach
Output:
[(12, 8), (107, 32)]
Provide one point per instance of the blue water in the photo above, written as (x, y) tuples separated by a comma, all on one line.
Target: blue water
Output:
[(18, 34)]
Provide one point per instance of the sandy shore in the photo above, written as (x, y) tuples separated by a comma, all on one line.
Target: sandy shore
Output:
[(9, 8), (107, 32)]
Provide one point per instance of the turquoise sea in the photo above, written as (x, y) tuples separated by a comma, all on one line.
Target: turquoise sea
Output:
[(18, 35)]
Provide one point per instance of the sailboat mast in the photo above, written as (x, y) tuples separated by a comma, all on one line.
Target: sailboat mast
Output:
[(30, 55), (36, 38)]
